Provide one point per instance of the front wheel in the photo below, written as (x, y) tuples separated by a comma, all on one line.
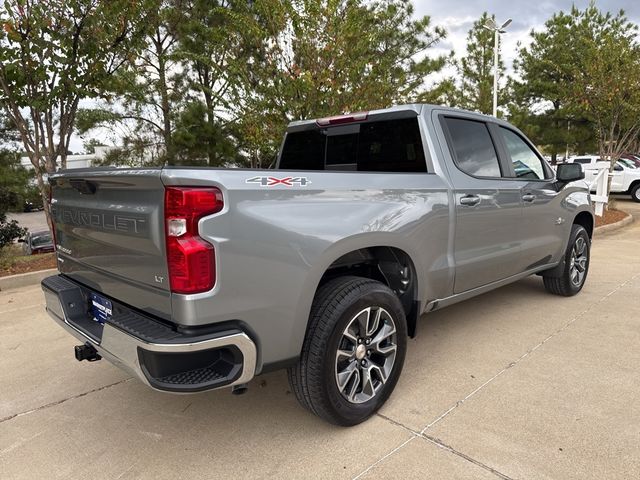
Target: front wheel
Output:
[(576, 265), (635, 193), (353, 352)]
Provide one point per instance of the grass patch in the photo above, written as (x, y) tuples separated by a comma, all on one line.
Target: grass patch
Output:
[(12, 261)]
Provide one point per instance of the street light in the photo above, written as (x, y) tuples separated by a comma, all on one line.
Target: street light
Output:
[(492, 26)]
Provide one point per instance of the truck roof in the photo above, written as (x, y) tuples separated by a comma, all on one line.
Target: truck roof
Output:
[(394, 112)]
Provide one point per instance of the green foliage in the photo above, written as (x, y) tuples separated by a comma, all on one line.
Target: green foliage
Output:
[(200, 142), (606, 86), (53, 54), (9, 231), (576, 89), (322, 57), (13, 186), (14, 182)]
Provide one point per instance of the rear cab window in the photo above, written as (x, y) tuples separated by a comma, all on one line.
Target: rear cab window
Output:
[(373, 146)]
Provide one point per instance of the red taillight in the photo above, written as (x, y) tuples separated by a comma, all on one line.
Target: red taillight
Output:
[(190, 259)]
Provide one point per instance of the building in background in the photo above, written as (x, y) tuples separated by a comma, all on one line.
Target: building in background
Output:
[(75, 161)]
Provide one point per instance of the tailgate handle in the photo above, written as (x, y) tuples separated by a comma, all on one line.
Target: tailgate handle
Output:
[(85, 187)]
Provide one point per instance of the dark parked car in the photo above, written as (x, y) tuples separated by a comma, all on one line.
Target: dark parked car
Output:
[(37, 242)]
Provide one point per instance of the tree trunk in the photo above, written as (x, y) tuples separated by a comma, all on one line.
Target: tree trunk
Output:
[(164, 99)]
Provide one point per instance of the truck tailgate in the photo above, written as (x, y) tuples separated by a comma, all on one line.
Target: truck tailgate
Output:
[(109, 234)]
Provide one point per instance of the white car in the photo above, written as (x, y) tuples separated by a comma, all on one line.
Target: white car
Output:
[(625, 175)]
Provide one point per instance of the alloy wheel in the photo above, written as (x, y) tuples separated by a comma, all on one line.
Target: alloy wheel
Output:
[(366, 354), (578, 262)]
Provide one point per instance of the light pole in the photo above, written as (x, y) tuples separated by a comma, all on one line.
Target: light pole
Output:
[(492, 26)]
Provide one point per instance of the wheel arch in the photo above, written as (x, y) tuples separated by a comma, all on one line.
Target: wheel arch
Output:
[(634, 184), (390, 265), (586, 220)]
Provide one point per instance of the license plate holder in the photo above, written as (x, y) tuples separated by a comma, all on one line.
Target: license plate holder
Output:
[(101, 308)]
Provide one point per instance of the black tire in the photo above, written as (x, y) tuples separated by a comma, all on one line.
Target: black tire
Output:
[(566, 284), (635, 193), (314, 378)]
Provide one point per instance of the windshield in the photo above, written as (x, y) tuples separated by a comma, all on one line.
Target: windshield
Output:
[(625, 163), (40, 240)]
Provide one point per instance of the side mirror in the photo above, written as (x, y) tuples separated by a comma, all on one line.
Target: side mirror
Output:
[(569, 172), (618, 168)]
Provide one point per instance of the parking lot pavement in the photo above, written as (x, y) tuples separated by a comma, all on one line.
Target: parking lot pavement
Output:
[(33, 221), (513, 384)]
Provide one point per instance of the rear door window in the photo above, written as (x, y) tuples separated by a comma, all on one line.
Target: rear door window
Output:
[(472, 147), (383, 146)]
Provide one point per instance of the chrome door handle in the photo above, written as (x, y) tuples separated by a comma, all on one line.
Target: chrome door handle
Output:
[(528, 197), (470, 200)]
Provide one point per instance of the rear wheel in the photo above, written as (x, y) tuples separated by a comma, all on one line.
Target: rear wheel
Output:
[(635, 193), (576, 265), (353, 352)]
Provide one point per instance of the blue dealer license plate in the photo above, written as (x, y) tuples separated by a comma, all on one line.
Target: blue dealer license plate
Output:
[(101, 308)]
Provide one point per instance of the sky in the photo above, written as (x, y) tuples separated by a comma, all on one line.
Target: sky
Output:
[(457, 17)]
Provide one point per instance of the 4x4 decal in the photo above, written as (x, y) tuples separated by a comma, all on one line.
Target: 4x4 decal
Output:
[(285, 181)]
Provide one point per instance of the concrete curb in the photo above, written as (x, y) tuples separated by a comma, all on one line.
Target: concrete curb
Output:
[(25, 279), (612, 227)]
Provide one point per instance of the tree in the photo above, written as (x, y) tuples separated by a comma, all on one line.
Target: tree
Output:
[(14, 184), (213, 45), (603, 85), (14, 178), (476, 69), (152, 89), (324, 57), (9, 230), (576, 82), (543, 107), (198, 141), (53, 54), (14, 181)]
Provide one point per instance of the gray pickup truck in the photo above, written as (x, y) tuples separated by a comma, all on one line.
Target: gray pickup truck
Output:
[(196, 278)]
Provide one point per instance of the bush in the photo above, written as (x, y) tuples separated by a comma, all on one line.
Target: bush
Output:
[(9, 231)]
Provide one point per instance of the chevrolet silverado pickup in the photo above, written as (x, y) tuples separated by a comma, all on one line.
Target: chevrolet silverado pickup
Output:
[(193, 279)]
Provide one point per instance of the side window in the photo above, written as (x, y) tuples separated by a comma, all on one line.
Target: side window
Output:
[(526, 162), (473, 148), (391, 146), (303, 151), (583, 161)]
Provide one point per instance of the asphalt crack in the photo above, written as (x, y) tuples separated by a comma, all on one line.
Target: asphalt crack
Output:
[(439, 443), (436, 441), (58, 402)]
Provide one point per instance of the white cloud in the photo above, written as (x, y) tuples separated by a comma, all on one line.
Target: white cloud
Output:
[(458, 16)]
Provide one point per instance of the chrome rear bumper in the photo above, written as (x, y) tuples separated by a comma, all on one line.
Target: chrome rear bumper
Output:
[(178, 363)]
